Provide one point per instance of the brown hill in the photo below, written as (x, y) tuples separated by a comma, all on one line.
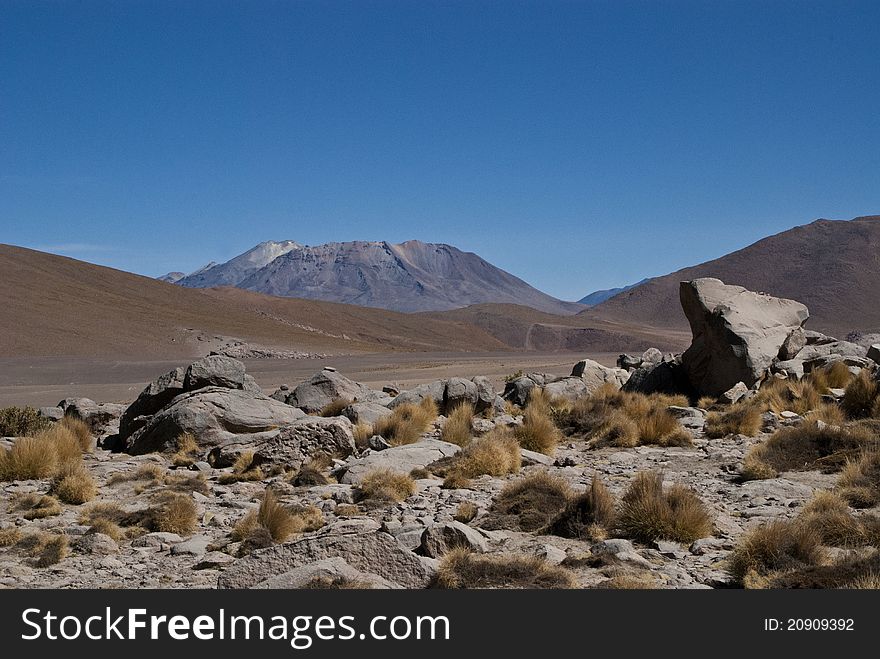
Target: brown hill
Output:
[(831, 266), (524, 328), (53, 306)]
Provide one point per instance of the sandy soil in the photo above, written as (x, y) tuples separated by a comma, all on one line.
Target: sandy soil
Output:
[(47, 380)]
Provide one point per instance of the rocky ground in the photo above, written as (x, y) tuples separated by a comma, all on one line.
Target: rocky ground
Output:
[(192, 468)]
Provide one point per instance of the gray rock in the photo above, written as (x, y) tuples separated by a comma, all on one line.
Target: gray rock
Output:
[(594, 374), (486, 395), (292, 445), (435, 390), (214, 560), (628, 362), (845, 348), (612, 546), (874, 353), (213, 415), (102, 418), (359, 542), (458, 391), (734, 394), (530, 458), (793, 368), (667, 377), (153, 398), (218, 371), (196, 546), (737, 334), (401, 459), (51, 413), (439, 538), (855, 363), (378, 443), (368, 413), (96, 544), (570, 388), (652, 356), (327, 386), (793, 344), (327, 570), (817, 338)]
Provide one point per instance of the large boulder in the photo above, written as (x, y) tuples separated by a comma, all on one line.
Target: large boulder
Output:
[(435, 390), (212, 415), (401, 459), (570, 388), (666, 377), (440, 537), (368, 413), (793, 344), (212, 371), (102, 418), (737, 334), (218, 371), (359, 542), (326, 386), (595, 374), (517, 389), (874, 353), (291, 445)]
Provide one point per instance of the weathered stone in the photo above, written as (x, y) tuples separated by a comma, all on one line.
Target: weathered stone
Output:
[(218, 371), (435, 390), (652, 356), (96, 543), (196, 546), (401, 459), (51, 413), (570, 388), (485, 393), (793, 344), (327, 570), (327, 386), (595, 374), (368, 413), (734, 394), (736, 333), (440, 537), (102, 418), (667, 377), (290, 446), (874, 353), (359, 542), (212, 415)]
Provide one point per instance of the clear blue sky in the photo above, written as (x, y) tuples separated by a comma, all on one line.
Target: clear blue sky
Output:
[(577, 145)]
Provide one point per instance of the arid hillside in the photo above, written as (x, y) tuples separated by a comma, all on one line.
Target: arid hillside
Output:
[(831, 266)]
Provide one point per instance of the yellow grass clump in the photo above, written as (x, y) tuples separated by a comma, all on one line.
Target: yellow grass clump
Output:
[(457, 429), (383, 485), (461, 568), (649, 512), (407, 422)]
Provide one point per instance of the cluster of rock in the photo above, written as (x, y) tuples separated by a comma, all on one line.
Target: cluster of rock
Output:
[(740, 338)]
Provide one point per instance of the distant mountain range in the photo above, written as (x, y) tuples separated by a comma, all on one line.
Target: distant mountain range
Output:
[(832, 266), (410, 276), (596, 297)]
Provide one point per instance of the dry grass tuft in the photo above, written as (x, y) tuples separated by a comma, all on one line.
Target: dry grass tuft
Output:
[(741, 419), (309, 475), (497, 453), (611, 417), (9, 536), (187, 450), (828, 515), (53, 551), (27, 459), (529, 504), (243, 470), (648, 512), (460, 568), (837, 375), (385, 485), (707, 402), (457, 429), (407, 422), (861, 393), (105, 526), (779, 545), (465, 512), (21, 422), (335, 407), (37, 506), (829, 413), (859, 480), (362, 433), (336, 583), (81, 430), (176, 513), (276, 521), (587, 516), (347, 510), (806, 447), (538, 432), (74, 485)]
